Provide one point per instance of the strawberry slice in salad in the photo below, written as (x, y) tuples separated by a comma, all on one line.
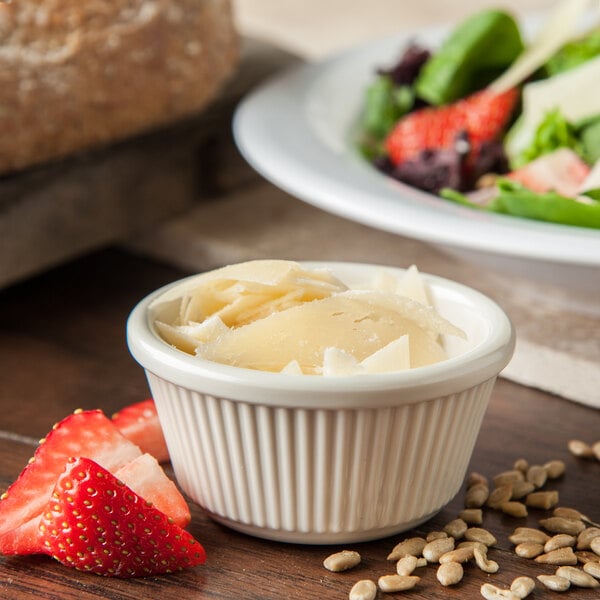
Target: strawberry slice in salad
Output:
[(479, 119)]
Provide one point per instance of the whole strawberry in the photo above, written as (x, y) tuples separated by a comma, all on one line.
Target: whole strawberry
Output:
[(481, 117), (95, 523)]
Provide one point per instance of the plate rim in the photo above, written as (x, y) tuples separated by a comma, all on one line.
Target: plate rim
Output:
[(273, 132)]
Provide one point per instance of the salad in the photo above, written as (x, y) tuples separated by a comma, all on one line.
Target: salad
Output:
[(493, 123)]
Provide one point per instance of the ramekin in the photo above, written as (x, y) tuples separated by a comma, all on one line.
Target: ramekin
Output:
[(327, 460)]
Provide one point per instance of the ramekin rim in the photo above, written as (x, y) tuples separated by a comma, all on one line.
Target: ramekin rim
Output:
[(454, 374)]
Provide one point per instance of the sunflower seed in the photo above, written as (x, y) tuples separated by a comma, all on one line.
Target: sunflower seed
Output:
[(529, 549), (521, 587), (499, 496), (478, 534), (436, 535), (475, 478), (483, 562), (460, 555), (476, 495), (472, 516), (409, 547), (562, 525), (555, 469), (365, 589), (521, 464), (584, 539), (514, 509), (456, 528), (543, 500), (592, 568), (520, 489), (577, 577), (560, 540), (436, 548), (537, 475), (450, 573), (560, 556), (406, 565), (528, 534), (342, 561), (491, 592), (397, 583), (555, 582), (508, 477), (580, 449)]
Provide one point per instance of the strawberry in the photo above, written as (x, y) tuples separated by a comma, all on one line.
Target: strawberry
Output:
[(482, 116), (93, 435), (562, 171), (145, 477), (139, 423), (84, 433), (95, 523)]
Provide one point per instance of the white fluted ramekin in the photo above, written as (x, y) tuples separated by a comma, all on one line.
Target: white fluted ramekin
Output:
[(323, 460)]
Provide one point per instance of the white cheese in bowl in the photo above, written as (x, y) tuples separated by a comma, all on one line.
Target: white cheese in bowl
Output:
[(275, 315)]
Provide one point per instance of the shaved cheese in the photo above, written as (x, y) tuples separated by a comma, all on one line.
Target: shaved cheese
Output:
[(339, 362), (357, 322), (574, 92), (278, 316), (393, 357), (292, 368), (243, 292), (561, 27), (412, 286)]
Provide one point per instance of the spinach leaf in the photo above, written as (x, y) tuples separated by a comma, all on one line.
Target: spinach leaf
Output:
[(477, 51)]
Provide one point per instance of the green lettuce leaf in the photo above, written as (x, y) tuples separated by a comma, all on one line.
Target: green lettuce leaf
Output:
[(574, 54), (589, 133), (516, 200), (385, 103), (553, 132)]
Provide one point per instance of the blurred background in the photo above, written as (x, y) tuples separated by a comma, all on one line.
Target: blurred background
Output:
[(314, 29), (179, 192)]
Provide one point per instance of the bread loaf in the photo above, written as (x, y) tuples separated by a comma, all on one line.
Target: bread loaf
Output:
[(75, 74)]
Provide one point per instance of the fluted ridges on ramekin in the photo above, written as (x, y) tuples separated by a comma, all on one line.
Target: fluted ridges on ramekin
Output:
[(319, 471)]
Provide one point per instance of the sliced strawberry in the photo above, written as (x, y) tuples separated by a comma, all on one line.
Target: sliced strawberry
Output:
[(139, 423), (95, 523), (24, 539), (482, 116), (562, 171), (145, 477), (84, 433)]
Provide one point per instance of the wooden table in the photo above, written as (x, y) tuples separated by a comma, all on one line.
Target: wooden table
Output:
[(62, 346)]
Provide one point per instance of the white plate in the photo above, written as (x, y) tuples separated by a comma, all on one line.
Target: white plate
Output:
[(297, 130)]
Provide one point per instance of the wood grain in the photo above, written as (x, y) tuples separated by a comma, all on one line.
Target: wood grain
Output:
[(62, 346)]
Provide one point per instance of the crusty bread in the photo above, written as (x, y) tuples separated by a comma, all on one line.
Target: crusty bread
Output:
[(75, 74)]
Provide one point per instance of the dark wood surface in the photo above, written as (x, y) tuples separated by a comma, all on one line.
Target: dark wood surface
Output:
[(62, 347)]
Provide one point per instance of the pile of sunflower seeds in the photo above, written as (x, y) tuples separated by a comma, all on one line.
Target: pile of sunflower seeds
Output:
[(565, 539)]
